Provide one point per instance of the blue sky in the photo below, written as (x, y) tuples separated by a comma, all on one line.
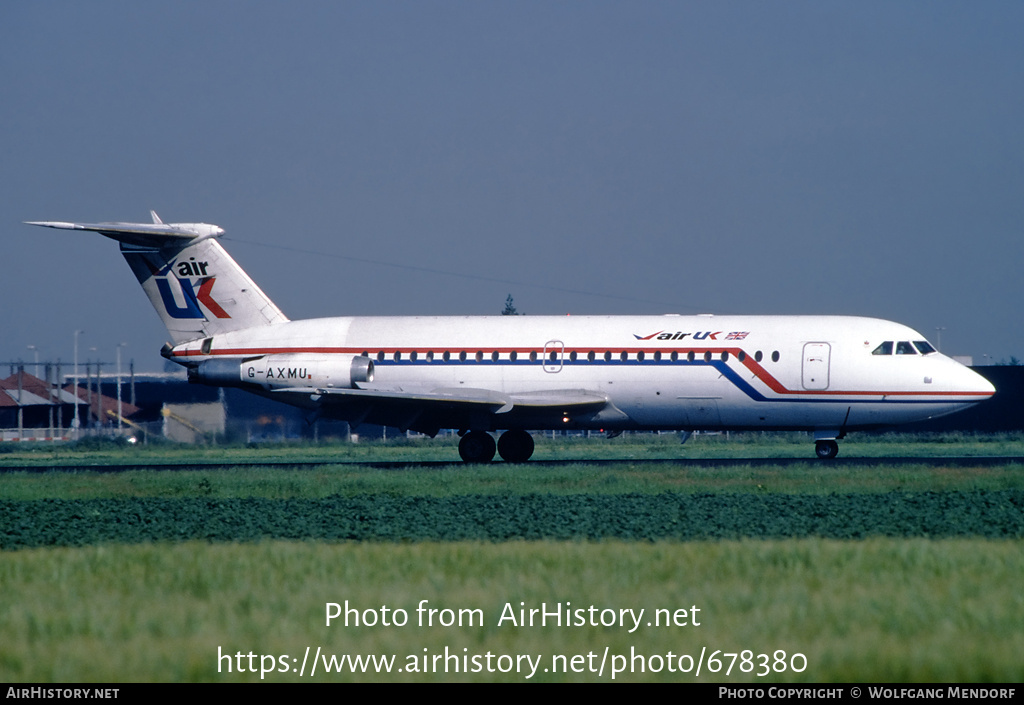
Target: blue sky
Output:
[(745, 157)]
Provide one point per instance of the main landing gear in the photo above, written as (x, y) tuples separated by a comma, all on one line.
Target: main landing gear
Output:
[(514, 446), (826, 450)]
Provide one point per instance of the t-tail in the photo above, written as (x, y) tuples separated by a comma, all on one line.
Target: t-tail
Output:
[(197, 289)]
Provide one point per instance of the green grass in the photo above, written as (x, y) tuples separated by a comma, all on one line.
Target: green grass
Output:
[(619, 478), (641, 446), (879, 609), (875, 610)]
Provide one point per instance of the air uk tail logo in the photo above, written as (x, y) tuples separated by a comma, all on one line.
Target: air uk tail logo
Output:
[(181, 299)]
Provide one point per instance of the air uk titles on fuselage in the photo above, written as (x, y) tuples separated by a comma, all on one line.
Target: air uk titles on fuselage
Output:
[(699, 335)]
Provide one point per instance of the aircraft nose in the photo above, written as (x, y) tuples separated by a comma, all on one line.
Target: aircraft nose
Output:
[(974, 383)]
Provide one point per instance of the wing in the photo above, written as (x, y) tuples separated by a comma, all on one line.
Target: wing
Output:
[(428, 411)]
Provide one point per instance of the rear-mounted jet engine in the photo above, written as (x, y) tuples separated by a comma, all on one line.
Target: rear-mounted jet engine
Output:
[(286, 371)]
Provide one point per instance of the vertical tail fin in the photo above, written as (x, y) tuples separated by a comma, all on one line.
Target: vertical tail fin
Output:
[(197, 289)]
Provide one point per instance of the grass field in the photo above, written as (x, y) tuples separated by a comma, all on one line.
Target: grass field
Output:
[(641, 446), (813, 477), (876, 609)]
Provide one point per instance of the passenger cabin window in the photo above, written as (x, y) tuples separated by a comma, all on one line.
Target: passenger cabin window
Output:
[(905, 348), (883, 349)]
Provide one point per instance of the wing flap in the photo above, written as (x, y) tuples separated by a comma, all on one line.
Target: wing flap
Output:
[(564, 398)]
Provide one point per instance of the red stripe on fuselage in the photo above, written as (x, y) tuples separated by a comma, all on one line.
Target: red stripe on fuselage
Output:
[(748, 361)]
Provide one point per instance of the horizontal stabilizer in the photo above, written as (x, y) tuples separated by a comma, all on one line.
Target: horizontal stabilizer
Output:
[(156, 235)]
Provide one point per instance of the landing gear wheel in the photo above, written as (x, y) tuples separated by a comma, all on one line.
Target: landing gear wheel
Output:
[(477, 447), (826, 450), (515, 446)]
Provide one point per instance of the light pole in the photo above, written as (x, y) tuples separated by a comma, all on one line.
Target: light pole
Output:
[(938, 337), (76, 423), (119, 346), (88, 390)]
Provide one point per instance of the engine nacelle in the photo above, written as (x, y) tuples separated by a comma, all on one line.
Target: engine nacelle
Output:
[(277, 371)]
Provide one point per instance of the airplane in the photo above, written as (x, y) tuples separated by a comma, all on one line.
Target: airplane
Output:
[(827, 375)]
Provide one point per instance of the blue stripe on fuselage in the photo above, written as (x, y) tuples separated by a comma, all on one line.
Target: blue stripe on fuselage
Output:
[(719, 365)]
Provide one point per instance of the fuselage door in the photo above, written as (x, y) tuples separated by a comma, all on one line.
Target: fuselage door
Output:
[(815, 365), (552, 359)]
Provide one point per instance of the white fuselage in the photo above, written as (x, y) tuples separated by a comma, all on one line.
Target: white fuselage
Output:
[(820, 373)]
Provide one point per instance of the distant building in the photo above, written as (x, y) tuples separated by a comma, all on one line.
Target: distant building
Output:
[(35, 409)]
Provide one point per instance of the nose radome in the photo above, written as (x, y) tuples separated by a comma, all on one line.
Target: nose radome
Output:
[(976, 384)]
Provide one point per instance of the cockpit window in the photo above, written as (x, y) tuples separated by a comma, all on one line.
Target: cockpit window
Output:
[(905, 348), (924, 347), (883, 349)]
